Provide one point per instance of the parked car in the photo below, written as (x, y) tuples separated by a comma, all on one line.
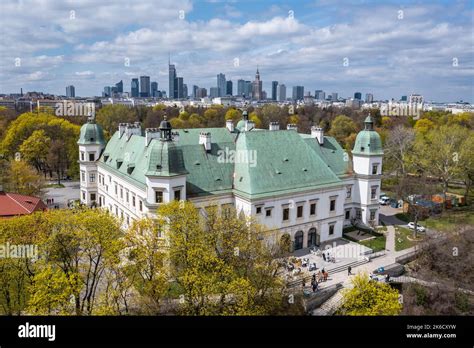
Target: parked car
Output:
[(384, 200), (419, 228)]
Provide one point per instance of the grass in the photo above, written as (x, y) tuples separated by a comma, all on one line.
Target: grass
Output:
[(401, 238), (376, 244), (450, 220)]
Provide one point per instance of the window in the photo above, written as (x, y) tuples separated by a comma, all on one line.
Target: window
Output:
[(82, 155), (158, 196), (349, 192), (332, 206), (375, 168), (268, 212), (133, 200), (331, 230), (258, 210), (83, 196), (373, 192), (372, 214), (121, 192), (312, 209), (126, 196), (348, 214), (116, 189), (140, 205), (299, 211), (91, 157), (92, 196), (177, 195), (83, 176), (286, 214), (358, 214), (92, 177), (110, 179)]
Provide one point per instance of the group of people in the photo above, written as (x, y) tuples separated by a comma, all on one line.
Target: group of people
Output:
[(49, 201), (328, 257), (317, 278)]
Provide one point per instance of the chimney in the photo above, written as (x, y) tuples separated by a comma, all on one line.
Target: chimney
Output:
[(318, 133), (249, 125), (132, 129), (151, 133), (292, 126), (122, 127), (229, 124), (205, 139), (274, 126)]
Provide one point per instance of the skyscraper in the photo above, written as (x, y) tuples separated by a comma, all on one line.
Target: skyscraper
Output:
[(201, 93), (319, 94), (229, 88), (213, 92), (298, 92), (257, 87), (179, 88), (334, 96), (274, 90), (107, 91), (369, 97), (281, 92), (195, 89), (248, 89), (171, 80), (221, 85), (144, 86), (119, 86), (135, 88), (358, 95), (70, 91), (240, 87), (185, 91), (154, 89)]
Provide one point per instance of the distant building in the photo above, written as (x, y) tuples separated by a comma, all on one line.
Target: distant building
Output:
[(134, 91), (119, 86), (319, 94), (404, 98), (172, 92), (107, 91), (257, 87), (416, 99), (334, 96), (145, 86), (248, 89), (179, 86), (70, 91), (369, 98), (298, 92), (353, 103), (358, 95), (214, 92), (221, 85), (274, 90), (185, 91), (229, 88), (240, 87), (154, 89), (201, 92), (194, 93), (281, 92)]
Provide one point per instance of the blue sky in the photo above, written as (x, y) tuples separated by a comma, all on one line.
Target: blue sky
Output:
[(391, 48)]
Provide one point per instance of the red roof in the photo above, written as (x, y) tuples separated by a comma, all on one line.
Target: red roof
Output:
[(12, 204)]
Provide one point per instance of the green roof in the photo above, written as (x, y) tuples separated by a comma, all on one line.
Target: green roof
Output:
[(91, 133), (368, 141), (285, 161)]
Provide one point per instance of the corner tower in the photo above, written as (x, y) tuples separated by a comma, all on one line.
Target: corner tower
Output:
[(367, 162), (91, 144)]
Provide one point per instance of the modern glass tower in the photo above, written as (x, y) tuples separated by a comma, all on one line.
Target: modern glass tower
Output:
[(135, 88)]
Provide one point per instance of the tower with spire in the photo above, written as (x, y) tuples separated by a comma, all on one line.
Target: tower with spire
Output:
[(367, 164), (257, 87)]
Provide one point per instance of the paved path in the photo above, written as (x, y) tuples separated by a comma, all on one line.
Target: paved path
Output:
[(61, 196)]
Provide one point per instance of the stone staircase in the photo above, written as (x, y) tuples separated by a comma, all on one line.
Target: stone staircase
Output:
[(330, 306)]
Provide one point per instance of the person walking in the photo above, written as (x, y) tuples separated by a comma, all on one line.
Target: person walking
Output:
[(349, 270), (315, 286), (324, 257)]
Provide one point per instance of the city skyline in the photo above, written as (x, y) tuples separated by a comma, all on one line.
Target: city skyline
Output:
[(425, 48)]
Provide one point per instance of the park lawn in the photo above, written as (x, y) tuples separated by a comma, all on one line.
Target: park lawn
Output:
[(403, 216), (450, 220), (401, 240), (376, 244)]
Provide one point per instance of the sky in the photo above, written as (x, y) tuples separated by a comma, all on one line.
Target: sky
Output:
[(387, 48)]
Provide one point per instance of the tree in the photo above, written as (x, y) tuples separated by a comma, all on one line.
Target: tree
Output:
[(341, 128), (424, 125), (233, 114), (110, 116), (22, 178), (368, 297), (35, 150), (255, 119), (466, 161), (398, 147)]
